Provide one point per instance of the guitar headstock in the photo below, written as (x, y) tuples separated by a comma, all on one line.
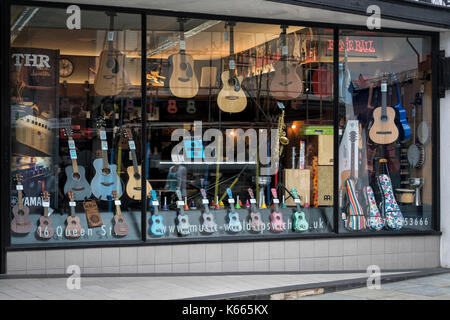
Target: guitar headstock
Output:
[(230, 194), (128, 134), (178, 193), (70, 195), (19, 178), (250, 193), (203, 192), (153, 195), (274, 193), (115, 195), (45, 195)]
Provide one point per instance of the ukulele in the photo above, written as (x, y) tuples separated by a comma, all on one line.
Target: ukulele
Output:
[(121, 227), (157, 228), (76, 175), (182, 218), (383, 129), (405, 129), (106, 179), (191, 109), (21, 223), (45, 229), (110, 77), (209, 225), (276, 217), (231, 97), (172, 106), (256, 223), (134, 172), (300, 223), (73, 228), (183, 83), (234, 224), (285, 84)]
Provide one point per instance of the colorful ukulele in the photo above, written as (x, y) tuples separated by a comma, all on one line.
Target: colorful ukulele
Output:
[(45, 229), (157, 228), (256, 223), (300, 223), (234, 224), (73, 228), (209, 225), (183, 220), (276, 217)]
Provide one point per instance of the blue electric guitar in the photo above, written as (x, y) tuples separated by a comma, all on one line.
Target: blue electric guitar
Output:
[(405, 129), (234, 224), (300, 223), (157, 228), (106, 179)]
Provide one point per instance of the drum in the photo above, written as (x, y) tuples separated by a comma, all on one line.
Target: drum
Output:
[(405, 196)]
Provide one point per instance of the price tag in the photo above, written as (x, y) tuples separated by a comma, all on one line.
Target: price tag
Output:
[(105, 145), (88, 114), (344, 216), (117, 116), (117, 202), (155, 203), (180, 203), (232, 65), (253, 201), (284, 50), (383, 87), (276, 201), (231, 201), (72, 203), (71, 144), (182, 45), (297, 200), (205, 201), (110, 35), (46, 204), (102, 135), (19, 187), (132, 145), (280, 105), (73, 154)]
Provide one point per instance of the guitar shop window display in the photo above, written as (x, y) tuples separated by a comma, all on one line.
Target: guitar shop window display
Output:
[(176, 179)]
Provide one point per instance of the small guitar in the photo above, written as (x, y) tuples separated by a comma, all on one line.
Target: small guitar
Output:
[(73, 228), (45, 229), (276, 217), (121, 227), (234, 224), (300, 223), (106, 179), (383, 129), (231, 97), (157, 228), (21, 223), (183, 82), (405, 129), (256, 223), (191, 109), (134, 184), (285, 84), (183, 220), (172, 106), (76, 175), (209, 225)]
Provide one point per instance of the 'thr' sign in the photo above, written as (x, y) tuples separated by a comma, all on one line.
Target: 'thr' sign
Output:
[(31, 60)]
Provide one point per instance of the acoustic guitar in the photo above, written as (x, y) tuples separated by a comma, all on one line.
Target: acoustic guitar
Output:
[(45, 230), (285, 84), (110, 77), (134, 184), (183, 82), (73, 227), (383, 129), (209, 225), (256, 223), (276, 217), (234, 224), (231, 97), (300, 223), (21, 223), (121, 227), (157, 228)]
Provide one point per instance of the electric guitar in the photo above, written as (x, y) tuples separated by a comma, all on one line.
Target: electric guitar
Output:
[(209, 225), (182, 218), (21, 223), (106, 179), (134, 172), (403, 121), (231, 97), (285, 84), (45, 229), (183, 82), (234, 224), (76, 175), (110, 77), (73, 228), (256, 223), (157, 228), (121, 227), (383, 129), (276, 217), (300, 223)]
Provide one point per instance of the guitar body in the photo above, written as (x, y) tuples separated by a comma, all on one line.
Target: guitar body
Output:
[(255, 222), (45, 229), (121, 227), (300, 223), (234, 224), (228, 99), (276, 222), (110, 78), (183, 225), (157, 228), (285, 84), (183, 83), (21, 222), (133, 187), (73, 228), (77, 183), (209, 225), (383, 131), (102, 185)]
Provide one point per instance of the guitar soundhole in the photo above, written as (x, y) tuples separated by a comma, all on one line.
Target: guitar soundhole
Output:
[(256, 218), (137, 176), (74, 223), (106, 171), (157, 221), (46, 222), (384, 118), (208, 219), (20, 213), (183, 220), (112, 64), (183, 66), (233, 218), (120, 220), (76, 176), (278, 218)]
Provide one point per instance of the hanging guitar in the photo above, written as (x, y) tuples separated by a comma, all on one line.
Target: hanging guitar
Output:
[(405, 129), (182, 219), (21, 223), (231, 97), (157, 228), (256, 223), (276, 217), (73, 227), (300, 223), (45, 230), (121, 227), (209, 225)]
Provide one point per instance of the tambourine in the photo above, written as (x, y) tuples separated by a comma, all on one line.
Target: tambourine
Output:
[(423, 132), (416, 155)]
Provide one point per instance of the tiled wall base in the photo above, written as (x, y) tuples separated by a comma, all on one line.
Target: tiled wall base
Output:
[(289, 255)]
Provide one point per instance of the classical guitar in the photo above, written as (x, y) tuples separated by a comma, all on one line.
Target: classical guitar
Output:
[(182, 219), (76, 175), (73, 226), (405, 129), (106, 179), (45, 229), (183, 82), (157, 228), (276, 217), (300, 223), (134, 184), (21, 223), (110, 77), (234, 224), (209, 225), (121, 227), (285, 83), (231, 97), (383, 129), (256, 223)]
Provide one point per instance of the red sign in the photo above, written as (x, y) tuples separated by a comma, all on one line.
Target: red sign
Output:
[(359, 47)]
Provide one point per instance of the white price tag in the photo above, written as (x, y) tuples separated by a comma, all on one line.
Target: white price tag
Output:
[(182, 45), (232, 65), (88, 114), (344, 216), (117, 202), (72, 203), (71, 144), (105, 145), (180, 203), (297, 200), (383, 87), (253, 201), (284, 50), (231, 200), (19, 187), (205, 201), (132, 145), (110, 35), (102, 135), (155, 203), (73, 154), (276, 201), (46, 204)]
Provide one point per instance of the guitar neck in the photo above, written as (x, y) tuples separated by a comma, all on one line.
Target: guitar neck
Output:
[(19, 196), (383, 99), (118, 211), (134, 159), (45, 211), (232, 60), (72, 212), (352, 160), (105, 159)]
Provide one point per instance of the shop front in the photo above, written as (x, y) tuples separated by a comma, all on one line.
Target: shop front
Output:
[(140, 140)]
